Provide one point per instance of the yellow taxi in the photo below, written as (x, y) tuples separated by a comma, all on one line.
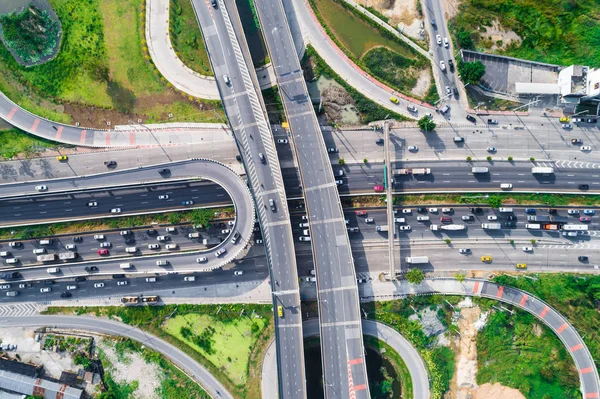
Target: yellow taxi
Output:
[(486, 258), (564, 119), (394, 100), (62, 158), (521, 266), (280, 311)]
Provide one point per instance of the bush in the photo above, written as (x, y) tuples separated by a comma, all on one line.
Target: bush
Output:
[(489, 158), (510, 159), (415, 276), (469, 159), (471, 72), (341, 161), (465, 40), (426, 124), (532, 159), (448, 241), (392, 68), (365, 161)]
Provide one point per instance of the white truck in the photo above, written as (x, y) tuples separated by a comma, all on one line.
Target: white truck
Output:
[(382, 228), (575, 227), (67, 255), (46, 258), (542, 170), (491, 226), (533, 226), (421, 171), (479, 169), (401, 171), (415, 260), (448, 227)]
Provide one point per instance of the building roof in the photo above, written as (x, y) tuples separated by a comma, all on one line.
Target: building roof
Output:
[(36, 386), (19, 367), (537, 88)]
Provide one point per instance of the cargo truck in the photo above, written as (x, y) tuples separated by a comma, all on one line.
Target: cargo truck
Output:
[(575, 227), (448, 227), (67, 255), (130, 300), (491, 226), (421, 171), (401, 171), (414, 260), (542, 170), (479, 169), (533, 226), (382, 228), (46, 258)]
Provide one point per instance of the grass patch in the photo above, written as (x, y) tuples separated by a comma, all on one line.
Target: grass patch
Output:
[(186, 37), (274, 105), (432, 95), (31, 34), (14, 142), (576, 297), (197, 216), (103, 66), (226, 345), (373, 48), (368, 110), (558, 32), (519, 352), (154, 319)]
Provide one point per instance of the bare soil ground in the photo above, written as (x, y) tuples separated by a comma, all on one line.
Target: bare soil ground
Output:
[(423, 82), (339, 105), (499, 38), (401, 13), (450, 8)]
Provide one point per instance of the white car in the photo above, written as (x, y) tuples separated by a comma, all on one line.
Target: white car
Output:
[(71, 247), (429, 115), (124, 282), (258, 241), (45, 290), (171, 246), (369, 220), (585, 148), (105, 245), (527, 249), (413, 148), (163, 238), (220, 252), (99, 237), (92, 203), (464, 251), (447, 210), (567, 126), (41, 188), (433, 210), (125, 232), (404, 227), (406, 210), (448, 91), (231, 223), (115, 210), (153, 246), (171, 229), (446, 42), (339, 182), (99, 285), (491, 149), (282, 141), (573, 211), (443, 67), (201, 259), (238, 272), (492, 217), (39, 251), (72, 287), (225, 231), (467, 217), (163, 197), (438, 39)]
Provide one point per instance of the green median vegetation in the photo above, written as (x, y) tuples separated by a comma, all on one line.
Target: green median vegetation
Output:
[(371, 47), (559, 32), (101, 73), (186, 37), (520, 352), (14, 142), (229, 340)]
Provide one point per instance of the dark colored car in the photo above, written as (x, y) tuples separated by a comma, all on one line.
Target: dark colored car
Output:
[(591, 120), (66, 294), (510, 217), (379, 141), (583, 187), (110, 164), (213, 3), (476, 210), (80, 279), (164, 171), (11, 275), (530, 211), (446, 219), (510, 224), (455, 91), (238, 158), (48, 282), (451, 65), (471, 118), (92, 268), (582, 258), (421, 210), (576, 141), (150, 232), (553, 211), (116, 276), (77, 239)]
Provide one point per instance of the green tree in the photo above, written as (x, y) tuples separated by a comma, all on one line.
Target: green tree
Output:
[(415, 276), (365, 161), (489, 158), (426, 124), (341, 161), (460, 277), (448, 241), (201, 217), (495, 201), (510, 159), (464, 40), (471, 72)]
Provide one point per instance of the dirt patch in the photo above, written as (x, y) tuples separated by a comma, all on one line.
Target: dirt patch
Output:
[(496, 391), (132, 367), (339, 105), (397, 11), (423, 83), (497, 38), (450, 8)]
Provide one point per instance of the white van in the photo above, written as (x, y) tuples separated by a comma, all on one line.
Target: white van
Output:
[(99, 237), (53, 270), (47, 241), (11, 261), (505, 186), (162, 262), (125, 265), (131, 250), (151, 279), (422, 218), (505, 210)]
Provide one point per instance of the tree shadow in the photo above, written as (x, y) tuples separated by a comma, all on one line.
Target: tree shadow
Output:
[(122, 98)]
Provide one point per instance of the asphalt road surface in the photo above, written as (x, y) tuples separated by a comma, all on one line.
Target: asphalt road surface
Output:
[(344, 369), (240, 92)]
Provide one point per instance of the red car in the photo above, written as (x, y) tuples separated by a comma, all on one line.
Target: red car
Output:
[(103, 252), (361, 213), (585, 219), (378, 189), (446, 219)]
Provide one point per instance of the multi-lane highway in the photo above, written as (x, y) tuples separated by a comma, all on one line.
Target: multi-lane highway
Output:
[(342, 350), (238, 85)]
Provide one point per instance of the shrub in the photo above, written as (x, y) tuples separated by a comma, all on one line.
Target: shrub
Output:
[(341, 161), (510, 159), (471, 72), (415, 276), (426, 124)]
